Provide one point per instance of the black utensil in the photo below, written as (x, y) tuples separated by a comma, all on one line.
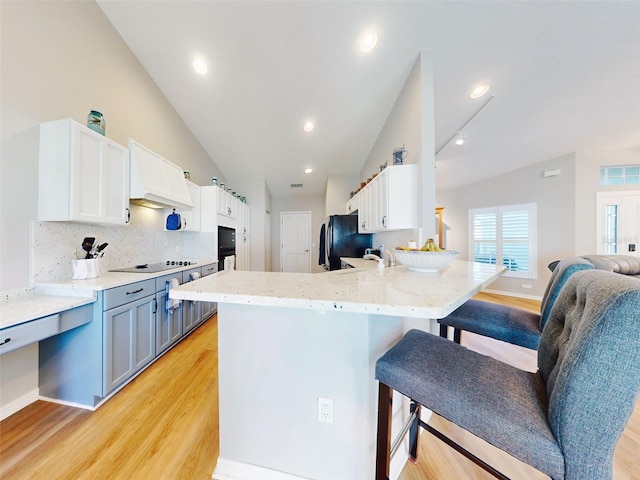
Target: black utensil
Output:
[(100, 248), (87, 245)]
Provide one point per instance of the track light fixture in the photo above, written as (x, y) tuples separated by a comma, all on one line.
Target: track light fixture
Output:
[(459, 138)]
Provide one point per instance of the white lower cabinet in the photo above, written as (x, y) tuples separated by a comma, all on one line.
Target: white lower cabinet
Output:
[(243, 252)]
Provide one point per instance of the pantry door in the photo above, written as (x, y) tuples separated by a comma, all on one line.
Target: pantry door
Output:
[(295, 242), (618, 222)]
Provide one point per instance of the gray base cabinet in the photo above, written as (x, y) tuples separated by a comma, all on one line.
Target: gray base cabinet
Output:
[(131, 327), (168, 323), (129, 341)]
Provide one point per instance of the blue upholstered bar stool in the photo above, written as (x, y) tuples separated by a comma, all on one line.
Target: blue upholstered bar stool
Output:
[(510, 324), (565, 419)]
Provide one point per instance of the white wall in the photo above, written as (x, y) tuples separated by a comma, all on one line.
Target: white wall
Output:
[(337, 192), (555, 199), (313, 204), (63, 59), (588, 183), (410, 124)]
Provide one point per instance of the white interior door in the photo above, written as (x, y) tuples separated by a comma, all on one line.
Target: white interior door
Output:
[(618, 222), (295, 241)]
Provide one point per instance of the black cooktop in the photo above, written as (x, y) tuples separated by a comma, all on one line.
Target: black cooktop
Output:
[(154, 267)]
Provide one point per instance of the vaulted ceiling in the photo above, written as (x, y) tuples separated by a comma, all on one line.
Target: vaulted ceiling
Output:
[(565, 77)]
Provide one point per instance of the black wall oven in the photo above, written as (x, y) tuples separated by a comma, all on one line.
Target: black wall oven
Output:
[(226, 244)]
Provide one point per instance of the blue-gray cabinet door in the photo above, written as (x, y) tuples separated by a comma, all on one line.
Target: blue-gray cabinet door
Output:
[(129, 340), (168, 325)]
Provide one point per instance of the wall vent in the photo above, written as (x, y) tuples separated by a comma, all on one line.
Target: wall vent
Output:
[(296, 185)]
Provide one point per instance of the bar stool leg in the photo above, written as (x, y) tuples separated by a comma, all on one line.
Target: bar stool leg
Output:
[(383, 442), (414, 433)]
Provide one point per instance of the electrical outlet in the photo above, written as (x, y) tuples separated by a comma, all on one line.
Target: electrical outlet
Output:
[(527, 285), (325, 410)]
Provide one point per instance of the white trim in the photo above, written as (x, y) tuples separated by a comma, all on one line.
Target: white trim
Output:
[(18, 404), (70, 404), (232, 470), (511, 294)]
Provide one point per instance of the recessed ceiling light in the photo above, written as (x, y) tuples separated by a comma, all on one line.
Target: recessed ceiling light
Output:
[(459, 139), (200, 66), (479, 90), (308, 126), (308, 170), (368, 41)]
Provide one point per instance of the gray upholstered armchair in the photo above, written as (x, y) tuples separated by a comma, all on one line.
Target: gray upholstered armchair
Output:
[(566, 418), (510, 324)]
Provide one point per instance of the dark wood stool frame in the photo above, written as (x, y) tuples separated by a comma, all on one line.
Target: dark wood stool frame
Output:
[(385, 449)]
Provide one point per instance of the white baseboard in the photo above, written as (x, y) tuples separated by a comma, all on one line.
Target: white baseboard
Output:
[(18, 404), (68, 404), (231, 470), (511, 294)]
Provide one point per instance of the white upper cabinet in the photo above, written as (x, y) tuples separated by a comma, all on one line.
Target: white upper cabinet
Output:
[(209, 209), (388, 202), (227, 203), (155, 179), (83, 176), (243, 218)]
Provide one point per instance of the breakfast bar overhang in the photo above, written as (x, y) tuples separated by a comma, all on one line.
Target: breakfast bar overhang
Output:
[(286, 340)]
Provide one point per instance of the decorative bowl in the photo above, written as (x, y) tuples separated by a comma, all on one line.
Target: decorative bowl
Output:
[(420, 261)]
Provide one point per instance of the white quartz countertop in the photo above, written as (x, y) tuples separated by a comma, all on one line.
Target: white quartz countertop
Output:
[(48, 298), (108, 279), (356, 262), (393, 291), (30, 304)]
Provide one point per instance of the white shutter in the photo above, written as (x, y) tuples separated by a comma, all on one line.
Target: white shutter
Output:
[(505, 235)]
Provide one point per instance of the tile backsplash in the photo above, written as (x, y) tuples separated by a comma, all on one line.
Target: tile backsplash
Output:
[(144, 240)]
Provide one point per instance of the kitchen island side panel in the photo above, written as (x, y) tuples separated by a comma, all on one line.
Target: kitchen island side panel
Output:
[(273, 365)]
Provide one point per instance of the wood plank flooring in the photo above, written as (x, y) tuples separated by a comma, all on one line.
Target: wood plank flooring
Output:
[(164, 425)]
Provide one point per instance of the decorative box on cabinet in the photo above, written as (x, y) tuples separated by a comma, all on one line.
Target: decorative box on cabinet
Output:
[(83, 176)]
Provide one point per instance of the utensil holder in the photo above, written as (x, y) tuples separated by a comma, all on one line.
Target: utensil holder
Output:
[(85, 268)]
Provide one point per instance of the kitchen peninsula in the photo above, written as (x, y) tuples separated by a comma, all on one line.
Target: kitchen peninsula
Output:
[(290, 342)]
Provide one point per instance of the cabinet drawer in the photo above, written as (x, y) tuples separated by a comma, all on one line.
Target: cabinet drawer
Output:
[(114, 297), (75, 317), (209, 269), (18, 336), (161, 282), (186, 274)]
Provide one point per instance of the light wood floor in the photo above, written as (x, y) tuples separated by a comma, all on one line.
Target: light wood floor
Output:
[(164, 425)]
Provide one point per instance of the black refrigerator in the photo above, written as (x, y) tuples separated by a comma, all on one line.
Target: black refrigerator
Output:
[(339, 237)]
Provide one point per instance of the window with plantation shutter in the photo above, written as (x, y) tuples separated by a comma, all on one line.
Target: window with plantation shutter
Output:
[(505, 235)]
